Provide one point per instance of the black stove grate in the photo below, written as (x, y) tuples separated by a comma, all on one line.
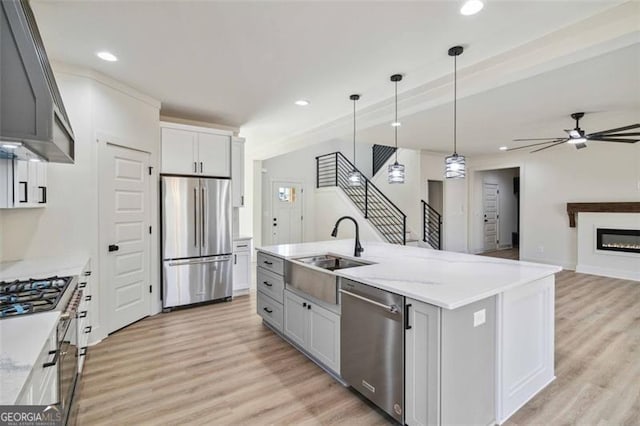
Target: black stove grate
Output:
[(30, 296)]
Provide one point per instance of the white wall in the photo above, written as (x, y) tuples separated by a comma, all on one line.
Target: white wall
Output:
[(507, 209), (99, 109), (551, 178)]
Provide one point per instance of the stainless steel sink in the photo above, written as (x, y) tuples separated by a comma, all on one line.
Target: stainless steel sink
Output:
[(319, 284), (331, 263)]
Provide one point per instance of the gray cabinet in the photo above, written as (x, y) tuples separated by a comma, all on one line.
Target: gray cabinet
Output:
[(314, 328), (237, 171), (270, 292), (450, 364)]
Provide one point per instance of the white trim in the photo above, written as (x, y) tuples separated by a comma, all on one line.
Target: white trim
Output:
[(607, 272), (191, 128)]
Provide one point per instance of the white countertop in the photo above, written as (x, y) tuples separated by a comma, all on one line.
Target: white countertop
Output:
[(43, 267), (22, 339), (446, 279)]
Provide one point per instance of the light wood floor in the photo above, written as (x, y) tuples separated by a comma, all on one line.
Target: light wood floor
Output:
[(218, 365), (512, 253)]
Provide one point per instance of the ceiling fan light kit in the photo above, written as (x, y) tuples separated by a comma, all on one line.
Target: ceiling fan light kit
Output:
[(354, 178), (579, 138), (455, 166), (395, 171)]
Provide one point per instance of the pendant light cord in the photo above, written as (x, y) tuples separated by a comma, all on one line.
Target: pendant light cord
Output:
[(455, 106), (354, 134), (395, 127)]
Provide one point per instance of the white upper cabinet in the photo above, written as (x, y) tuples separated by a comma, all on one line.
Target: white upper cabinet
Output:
[(214, 152), (237, 171), (23, 184), (179, 152), (189, 150)]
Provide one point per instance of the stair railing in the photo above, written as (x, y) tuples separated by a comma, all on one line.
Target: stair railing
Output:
[(432, 226), (333, 170)]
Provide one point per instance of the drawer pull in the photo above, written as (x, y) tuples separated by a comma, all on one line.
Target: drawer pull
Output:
[(87, 298), (267, 310), (83, 314), (87, 274), (82, 285), (87, 329), (241, 246), (83, 351), (266, 262), (54, 361), (267, 283)]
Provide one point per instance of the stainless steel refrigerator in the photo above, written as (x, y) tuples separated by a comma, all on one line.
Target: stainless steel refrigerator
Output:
[(196, 240)]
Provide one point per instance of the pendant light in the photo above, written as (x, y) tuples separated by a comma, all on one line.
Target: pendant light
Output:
[(455, 167), (396, 170), (354, 178)]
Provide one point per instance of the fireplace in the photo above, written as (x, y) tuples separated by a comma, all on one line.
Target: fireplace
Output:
[(624, 240)]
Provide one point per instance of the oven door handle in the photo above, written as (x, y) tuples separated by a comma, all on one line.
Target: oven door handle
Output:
[(391, 308), (54, 361)]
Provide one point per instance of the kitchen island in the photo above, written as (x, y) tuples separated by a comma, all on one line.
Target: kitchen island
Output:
[(479, 337)]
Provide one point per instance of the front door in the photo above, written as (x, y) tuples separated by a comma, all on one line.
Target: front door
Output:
[(125, 251), (286, 208), (490, 207)]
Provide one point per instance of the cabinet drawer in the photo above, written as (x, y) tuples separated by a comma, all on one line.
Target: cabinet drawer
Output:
[(272, 263), (241, 246), (270, 284), (270, 311)]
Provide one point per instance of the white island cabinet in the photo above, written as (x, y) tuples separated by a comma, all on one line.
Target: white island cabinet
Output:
[(478, 332)]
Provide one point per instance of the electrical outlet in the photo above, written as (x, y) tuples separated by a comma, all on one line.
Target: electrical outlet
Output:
[(540, 249), (479, 317)]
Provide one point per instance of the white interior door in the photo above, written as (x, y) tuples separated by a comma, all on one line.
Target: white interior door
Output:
[(125, 219), (490, 206), (286, 209)]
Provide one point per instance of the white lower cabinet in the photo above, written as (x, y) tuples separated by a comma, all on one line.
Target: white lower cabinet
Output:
[(241, 266), (422, 364), (42, 386), (314, 328)]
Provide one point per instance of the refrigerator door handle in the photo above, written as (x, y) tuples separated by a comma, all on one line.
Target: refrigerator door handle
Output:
[(195, 217), (198, 261), (204, 218)]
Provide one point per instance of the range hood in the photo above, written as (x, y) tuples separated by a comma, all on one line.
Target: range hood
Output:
[(33, 121)]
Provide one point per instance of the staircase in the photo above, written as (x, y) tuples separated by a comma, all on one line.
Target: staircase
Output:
[(381, 153), (432, 226), (333, 169)]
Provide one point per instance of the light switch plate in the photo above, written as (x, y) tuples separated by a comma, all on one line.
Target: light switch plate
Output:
[(479, 317)]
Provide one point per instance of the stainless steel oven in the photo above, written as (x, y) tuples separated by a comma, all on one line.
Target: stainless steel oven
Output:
[(68, 353)]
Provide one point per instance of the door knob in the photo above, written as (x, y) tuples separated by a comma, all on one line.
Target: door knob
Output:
[(113, 247)]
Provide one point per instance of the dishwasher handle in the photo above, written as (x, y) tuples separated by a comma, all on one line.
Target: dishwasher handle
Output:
[(391, 308)]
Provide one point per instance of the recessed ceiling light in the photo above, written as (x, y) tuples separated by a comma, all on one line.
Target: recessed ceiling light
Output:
[(107, 56), (471, 7), (396, 124), (504, 148), (302, 102)]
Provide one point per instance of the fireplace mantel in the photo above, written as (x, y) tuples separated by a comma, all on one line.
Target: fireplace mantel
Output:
[(573, 208)]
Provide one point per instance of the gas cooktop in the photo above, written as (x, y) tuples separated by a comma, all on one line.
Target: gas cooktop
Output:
[(31, 296)]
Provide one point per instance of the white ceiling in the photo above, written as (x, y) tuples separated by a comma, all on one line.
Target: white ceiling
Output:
[(606, 88), (244, 63)]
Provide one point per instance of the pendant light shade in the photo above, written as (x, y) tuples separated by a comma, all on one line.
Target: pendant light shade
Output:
[(354, 178), (396, 170), (455, 165)]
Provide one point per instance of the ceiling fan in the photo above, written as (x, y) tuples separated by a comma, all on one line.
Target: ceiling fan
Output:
[(578, 137)]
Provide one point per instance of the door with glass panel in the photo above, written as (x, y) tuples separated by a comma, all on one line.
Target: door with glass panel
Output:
[(286, 210)]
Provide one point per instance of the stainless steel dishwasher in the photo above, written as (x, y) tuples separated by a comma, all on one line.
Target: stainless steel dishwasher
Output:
[(372, 345)]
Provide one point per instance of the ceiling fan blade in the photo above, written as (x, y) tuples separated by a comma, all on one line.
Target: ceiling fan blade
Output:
[(616, 135), (537, 144), (537, 139), (547, 147), (607, 139), (619, 129)]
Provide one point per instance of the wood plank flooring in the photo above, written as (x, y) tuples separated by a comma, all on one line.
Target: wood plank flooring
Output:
[(219, 365), (512, 253)]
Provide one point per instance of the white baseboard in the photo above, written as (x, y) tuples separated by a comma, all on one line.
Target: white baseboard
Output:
[(607, 272)]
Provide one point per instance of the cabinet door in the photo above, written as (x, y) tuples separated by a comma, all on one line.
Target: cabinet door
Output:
[(237, 171), (179, 152), (324, 336), (21, 190), (214, 155), (241, 271), (295, 318), (40, 183), (422, 364)]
